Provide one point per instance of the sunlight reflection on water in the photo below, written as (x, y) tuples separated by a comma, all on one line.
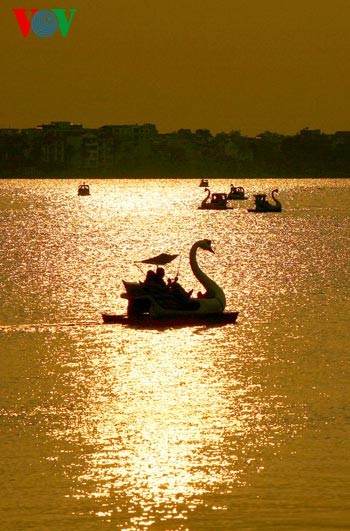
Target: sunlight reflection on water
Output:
[(153, 428), (168, 424)]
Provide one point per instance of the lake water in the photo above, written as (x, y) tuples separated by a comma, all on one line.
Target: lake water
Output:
[(238, 427)]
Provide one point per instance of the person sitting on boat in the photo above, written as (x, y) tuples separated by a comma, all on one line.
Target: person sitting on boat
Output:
[(155, 279), (178, 291), (160, 273), (201, 295), (150, 277), (181, 296)]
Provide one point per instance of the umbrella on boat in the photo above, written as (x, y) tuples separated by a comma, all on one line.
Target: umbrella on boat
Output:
[(160, 259)]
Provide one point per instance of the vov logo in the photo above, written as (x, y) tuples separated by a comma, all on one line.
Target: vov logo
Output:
[(45, 22)]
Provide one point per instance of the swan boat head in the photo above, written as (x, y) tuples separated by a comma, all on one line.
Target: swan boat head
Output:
[(205, 245)]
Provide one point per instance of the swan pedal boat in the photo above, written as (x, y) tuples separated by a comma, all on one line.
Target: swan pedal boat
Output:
[(262, 205), (84, 189), (237, 193), (153, 305), (218, 201)]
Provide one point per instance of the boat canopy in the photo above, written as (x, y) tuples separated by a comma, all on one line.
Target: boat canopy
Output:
[(160, 259)]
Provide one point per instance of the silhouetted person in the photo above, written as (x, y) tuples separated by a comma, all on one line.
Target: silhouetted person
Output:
[(179, 292), (151, 277), (201, 295), (160, 273)]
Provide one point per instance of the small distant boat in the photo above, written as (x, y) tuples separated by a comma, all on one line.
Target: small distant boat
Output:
[(237, 193), (204, 183), (263, 205), (217, 201), (83, 189)]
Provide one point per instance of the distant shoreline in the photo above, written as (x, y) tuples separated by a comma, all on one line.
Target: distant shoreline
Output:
[(64, 150)]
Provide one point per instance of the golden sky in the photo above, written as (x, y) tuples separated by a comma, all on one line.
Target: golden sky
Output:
[(247, 65)]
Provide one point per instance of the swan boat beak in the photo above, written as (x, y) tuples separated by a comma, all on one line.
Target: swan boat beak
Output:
[(211, 249)]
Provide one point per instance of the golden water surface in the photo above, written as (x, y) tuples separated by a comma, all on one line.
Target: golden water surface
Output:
[(238, 427)]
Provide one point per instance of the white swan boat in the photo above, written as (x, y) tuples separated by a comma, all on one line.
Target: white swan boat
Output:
[(155, 304)]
